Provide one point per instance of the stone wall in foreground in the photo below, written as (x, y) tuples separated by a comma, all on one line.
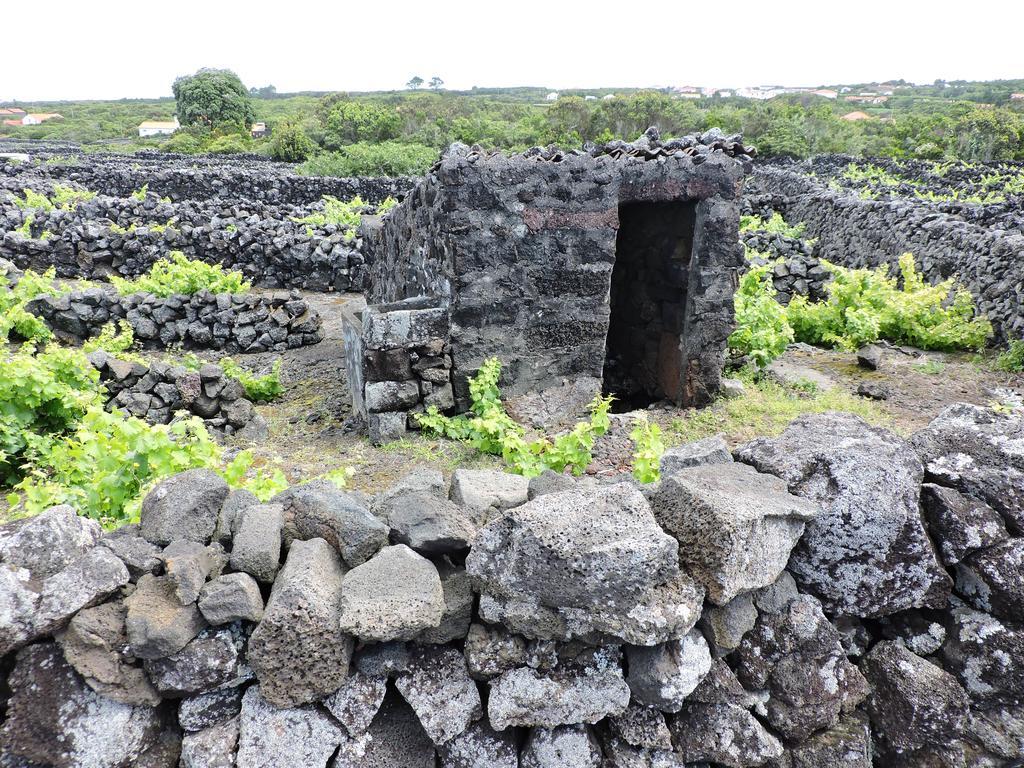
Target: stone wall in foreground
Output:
[(855, 232), (834, 596)]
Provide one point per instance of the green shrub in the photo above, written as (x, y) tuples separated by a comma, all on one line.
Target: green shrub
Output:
[(289, 143), (230, 144), (775, 224), (648, 448), (41, 395), (866, 305), (180, 275), (762, 331), (1012, 360), (390, 158), (491, 430), (68, 198), (14, 318), (344, 214), (140, 193), (257, 388)]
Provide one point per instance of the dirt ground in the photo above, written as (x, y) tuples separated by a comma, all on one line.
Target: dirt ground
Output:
[(310, 432)]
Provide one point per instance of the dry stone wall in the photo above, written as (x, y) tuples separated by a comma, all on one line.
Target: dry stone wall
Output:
[(836, 596), (187, 177), (855, 232), (125, 236), (231, 323)]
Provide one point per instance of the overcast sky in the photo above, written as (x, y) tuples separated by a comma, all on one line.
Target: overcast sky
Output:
[(79, 50)]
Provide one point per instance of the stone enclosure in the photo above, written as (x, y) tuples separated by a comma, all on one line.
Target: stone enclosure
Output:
[(834, 597), (611, 268)]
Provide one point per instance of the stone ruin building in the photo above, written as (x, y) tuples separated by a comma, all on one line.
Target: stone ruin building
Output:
[(608, 269)]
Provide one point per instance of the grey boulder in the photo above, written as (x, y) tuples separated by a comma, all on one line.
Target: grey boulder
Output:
[(53, 718), (319, 509), (710, 450), (231, 597), (440, 691), (357, 701), (256, 548), (212, 747), (48, 542), (298, 651), (428, 524), (393, 596), (270, 737), (480, 746), (566, 746), (960, 524), (866, 554), (735, 526), (184, 506), (157, 622), (662, 676)]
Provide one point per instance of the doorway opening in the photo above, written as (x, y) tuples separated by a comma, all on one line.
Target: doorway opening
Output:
[(643, 354)]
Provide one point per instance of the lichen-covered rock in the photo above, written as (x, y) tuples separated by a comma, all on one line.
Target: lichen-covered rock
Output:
[(427, 523), (975, 449), (438, 687), (959, 524), (231, 514), (319, 509), (642, 726), (662, 676), (84, 582), (566, 746), (395, 738), (992, 580), (919, 632), (298, 651), (212, 747), (138, 555), (913, 703), (458, 606), (618, 753), (480, 746), (866, 554), (196, 713), (486, 492), (357, 701), (48, 542), (157, 623), (382, 659), (188, 564), (285, 738), (583, 691), (231, 597), (95, 644), (846, 745), (725, 626), (54, 719), (583, 562), (395, 595), (735, 526), (184, 506), (492, 649), (710, 450), (986, 654), (724, 734), (213, 659), (665, 612), (256, 548), (798, 657)]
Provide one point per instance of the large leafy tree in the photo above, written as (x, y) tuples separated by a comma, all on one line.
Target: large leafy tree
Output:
[(353, 121), (213, 98)]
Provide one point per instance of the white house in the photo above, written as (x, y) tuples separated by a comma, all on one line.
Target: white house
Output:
[(38, 118), (158, 127), (553, 96)]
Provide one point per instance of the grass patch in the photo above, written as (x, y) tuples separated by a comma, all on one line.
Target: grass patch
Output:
[(766, 409), (931, 367)]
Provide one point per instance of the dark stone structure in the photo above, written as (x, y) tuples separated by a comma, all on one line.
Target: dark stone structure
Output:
[(613, 266)]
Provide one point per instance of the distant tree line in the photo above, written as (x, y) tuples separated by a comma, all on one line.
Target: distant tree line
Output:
[(403, 131)]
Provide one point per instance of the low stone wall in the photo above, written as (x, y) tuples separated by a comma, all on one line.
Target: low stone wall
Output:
[(231, 323), (187, 177), (867, 233), (125, 237), (796, 607), (399, 363), (800, 272), (157, 391)]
